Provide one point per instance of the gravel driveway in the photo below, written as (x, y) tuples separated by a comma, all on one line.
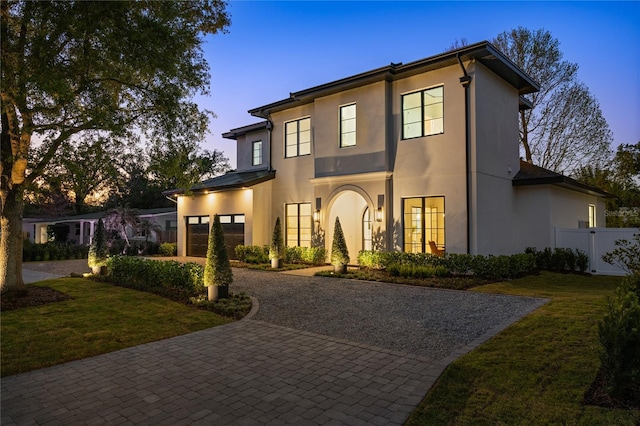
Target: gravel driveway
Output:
[(431, 323)]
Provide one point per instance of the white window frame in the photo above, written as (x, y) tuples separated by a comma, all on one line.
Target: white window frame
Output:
[(592, 216)]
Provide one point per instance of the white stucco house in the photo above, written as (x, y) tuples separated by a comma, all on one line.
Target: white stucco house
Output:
[(417, 157)]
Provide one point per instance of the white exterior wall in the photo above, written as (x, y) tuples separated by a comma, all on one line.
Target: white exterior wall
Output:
[(221, 203), (495, 160), (433, 165)]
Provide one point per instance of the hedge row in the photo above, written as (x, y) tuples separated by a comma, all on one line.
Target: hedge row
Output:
[(560, 259), (175, 280), (260, 254), (489, 267), (52, 251)]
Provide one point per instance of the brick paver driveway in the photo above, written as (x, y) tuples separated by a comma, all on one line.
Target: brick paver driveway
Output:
[(248, 372)]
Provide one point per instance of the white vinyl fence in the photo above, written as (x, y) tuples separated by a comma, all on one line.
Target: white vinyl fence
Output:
[(595, 242)]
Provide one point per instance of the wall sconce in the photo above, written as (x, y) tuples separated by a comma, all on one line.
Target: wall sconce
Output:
[(378, 214), (316, 213)]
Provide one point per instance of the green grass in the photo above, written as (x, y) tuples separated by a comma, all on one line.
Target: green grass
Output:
[(537, 370), (100, 318)]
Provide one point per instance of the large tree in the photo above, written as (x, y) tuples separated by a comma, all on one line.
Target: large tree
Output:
[(565, 128), (71, 66)]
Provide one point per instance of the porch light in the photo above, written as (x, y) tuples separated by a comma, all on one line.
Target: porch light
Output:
[(316, 216), (378, 214)]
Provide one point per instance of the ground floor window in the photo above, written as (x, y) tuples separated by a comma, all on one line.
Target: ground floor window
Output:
[(592, 216), (367, 232), (423, 225), (298, 225)]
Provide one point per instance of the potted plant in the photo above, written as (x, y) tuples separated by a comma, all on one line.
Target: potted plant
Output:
[(339, 251), (276, 250), (98, 251), (217, 268)]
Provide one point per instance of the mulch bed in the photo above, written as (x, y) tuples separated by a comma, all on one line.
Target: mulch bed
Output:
[(34, 296), (597, 395)]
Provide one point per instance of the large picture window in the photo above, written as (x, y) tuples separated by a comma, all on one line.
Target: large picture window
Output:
[(297, 138), (424, 225), (423, 113), (348, 125), (298, 225)]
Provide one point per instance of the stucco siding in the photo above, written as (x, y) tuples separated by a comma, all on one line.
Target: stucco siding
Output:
[(221, 203), (534, 216), (245, 150)]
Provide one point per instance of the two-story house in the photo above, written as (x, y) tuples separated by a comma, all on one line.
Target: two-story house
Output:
[(418, 157)]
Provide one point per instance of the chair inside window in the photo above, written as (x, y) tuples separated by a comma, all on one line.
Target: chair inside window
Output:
[(435, 250)]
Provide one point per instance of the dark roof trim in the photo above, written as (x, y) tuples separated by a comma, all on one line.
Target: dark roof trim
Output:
[(530, 174), (228, 181), (483, 52), (241, 131)]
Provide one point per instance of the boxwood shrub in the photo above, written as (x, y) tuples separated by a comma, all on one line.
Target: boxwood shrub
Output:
[(175, 280), (32, 252)]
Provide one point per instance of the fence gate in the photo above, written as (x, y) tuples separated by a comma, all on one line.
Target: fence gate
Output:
[(595, 242)]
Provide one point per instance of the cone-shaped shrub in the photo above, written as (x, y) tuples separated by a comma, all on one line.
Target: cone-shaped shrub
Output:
[(276, 250), (98, 252), (217, 269), (339, 251)]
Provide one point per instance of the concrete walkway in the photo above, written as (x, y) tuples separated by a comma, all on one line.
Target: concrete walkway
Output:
[(29, 276)]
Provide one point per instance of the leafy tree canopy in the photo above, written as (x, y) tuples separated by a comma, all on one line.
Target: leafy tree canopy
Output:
[(73, 66), (565, 129)]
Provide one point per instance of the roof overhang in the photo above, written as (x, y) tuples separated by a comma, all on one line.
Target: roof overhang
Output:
[(226, 182), (483, 52), (241, 131), (530, 175)]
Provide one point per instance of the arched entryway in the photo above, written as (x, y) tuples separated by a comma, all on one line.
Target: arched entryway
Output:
[(354, 213)]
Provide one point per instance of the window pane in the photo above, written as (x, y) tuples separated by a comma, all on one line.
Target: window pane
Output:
[(204, 219), (225, 219), (305, 124), (434, 127), (305, 148), (433, 95), (412, 130), (257, 153), (413, 100), (348, 139), (239, 218), (305, 209), (193, 220), (348, 111)]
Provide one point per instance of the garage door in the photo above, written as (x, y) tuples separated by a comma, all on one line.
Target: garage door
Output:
[(198, 234)]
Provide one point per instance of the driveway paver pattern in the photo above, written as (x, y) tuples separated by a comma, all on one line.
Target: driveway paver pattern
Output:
[(244, 373)]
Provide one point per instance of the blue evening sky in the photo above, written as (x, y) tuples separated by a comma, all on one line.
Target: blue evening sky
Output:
[(277, 47)]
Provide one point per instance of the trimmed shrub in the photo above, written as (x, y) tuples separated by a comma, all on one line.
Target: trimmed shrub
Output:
[(171, 279), (276, 250), (619, 334), (582, 260), (98, 251), (252, 254), (339, 251), (168, 249), (32, 252), (217, 269), (305, 255)]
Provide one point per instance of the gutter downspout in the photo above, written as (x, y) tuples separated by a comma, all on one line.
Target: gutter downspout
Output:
[(465, 80), (269, 129)]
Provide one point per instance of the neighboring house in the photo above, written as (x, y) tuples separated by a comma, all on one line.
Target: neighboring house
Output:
[(82, 227), (421, 157)]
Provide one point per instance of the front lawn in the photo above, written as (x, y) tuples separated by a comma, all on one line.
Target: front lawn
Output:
[(99, 318), (536, 371)]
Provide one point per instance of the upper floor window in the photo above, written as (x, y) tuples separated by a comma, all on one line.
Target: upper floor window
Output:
[(257, 153), (297, 136), (423, 113), (347, 125)]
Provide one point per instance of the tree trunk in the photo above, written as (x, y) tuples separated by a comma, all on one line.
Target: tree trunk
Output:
[(11, 242)]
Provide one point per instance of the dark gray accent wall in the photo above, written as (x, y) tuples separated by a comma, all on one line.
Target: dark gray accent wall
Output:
[(350, 164)]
